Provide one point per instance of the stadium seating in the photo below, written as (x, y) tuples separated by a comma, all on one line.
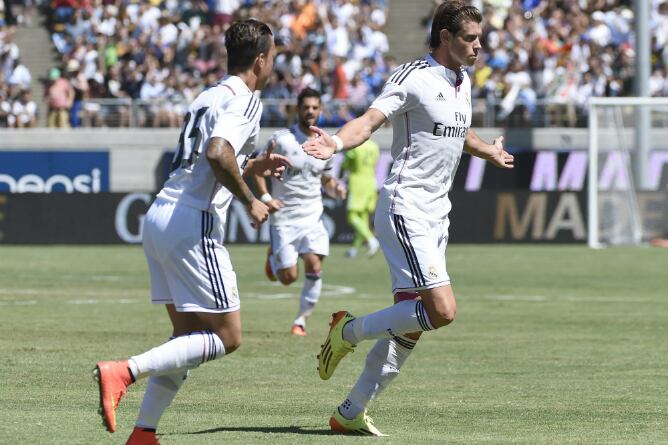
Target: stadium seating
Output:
[(138, 63)]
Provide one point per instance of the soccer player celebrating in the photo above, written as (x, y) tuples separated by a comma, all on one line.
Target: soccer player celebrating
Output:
[(428, 103), (190, 269), (362, 193), (296, 225)]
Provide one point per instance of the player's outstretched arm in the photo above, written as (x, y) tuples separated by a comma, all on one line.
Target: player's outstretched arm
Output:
[(223, 162), (268, 163), (352, 134), (494, 152)]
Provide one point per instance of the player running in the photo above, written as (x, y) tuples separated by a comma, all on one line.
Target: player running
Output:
[(191, 272), (297, 229), (362, 194), (428, 103)]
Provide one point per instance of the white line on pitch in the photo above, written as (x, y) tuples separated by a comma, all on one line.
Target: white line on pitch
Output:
[(105, 301), (564, 298), (18, 303), (328, 290)]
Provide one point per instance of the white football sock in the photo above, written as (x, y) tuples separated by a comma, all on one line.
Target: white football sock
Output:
[(382, 365), (401, 318), (184, 352), (160, 392), (309, 297)]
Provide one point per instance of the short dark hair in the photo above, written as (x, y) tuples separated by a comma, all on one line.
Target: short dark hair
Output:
[(450, 15), (307, 92), (245, 41)]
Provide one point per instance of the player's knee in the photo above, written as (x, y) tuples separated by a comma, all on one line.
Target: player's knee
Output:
[(287, 276), (232, 345), (413, 335), (231, 341), (442, 315)]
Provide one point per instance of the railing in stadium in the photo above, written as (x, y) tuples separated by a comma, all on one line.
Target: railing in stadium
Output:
[(281, 112)]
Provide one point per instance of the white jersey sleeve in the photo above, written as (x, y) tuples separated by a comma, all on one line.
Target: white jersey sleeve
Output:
[(395, 99), (237, 122)]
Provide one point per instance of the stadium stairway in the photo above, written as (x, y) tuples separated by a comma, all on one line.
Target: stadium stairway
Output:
[(405, 30), (38, 55)]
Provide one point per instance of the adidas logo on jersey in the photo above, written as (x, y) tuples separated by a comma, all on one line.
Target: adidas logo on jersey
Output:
[(440, 97)]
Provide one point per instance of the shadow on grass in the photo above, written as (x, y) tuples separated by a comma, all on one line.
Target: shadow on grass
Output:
[(269, 429)]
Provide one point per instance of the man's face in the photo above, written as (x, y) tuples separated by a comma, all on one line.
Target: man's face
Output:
[(267, 66), (465, 45), (309, 111)]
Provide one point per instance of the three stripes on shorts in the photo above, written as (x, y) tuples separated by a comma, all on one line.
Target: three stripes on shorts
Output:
[(409, 251), (211, 262)]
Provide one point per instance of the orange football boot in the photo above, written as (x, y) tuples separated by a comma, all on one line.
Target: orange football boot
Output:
[(267, 267), (142, 436), (113, 378), (298, 330)]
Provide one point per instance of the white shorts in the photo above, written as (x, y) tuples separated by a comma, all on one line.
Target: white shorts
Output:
[(414, 250), (188, 264), (288, 242)]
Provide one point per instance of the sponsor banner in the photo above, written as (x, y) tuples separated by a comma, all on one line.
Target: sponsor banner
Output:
[(550, 217), (536, 171), (60, 218), (539, 171), (477, 217), (117, 218), (54, 171)]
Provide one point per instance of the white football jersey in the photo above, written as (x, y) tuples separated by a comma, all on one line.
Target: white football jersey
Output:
[(228, 110), (300, 189), (429, 107)]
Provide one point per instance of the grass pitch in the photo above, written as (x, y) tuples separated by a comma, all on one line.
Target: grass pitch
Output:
[(552, 345)]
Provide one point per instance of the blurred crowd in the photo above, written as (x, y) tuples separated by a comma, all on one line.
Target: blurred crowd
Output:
[(17, 109), (163, 53), (562, 52), (542, 59)]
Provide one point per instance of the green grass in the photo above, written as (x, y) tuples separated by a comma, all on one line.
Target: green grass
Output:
[(552, 345)]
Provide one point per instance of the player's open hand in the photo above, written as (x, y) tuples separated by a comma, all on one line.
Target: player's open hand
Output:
[(270, 163), (500, 157), (320, 147)]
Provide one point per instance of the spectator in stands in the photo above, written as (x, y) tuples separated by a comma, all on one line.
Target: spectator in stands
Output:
[(93, 113), (20, 75), (339, 80), (59, 98), (518, 88), (118, 115), (9, 51), (358, 95), (80, 86), (223, 12), (24, 110), (151, 93), (275, 114), (5, 106)]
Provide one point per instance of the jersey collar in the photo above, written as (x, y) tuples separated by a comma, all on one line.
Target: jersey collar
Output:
[(236, 83), (299, 134), (455, 78)]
